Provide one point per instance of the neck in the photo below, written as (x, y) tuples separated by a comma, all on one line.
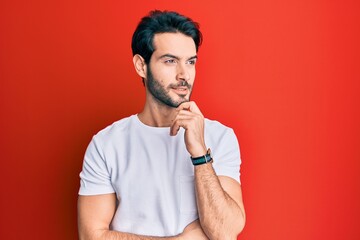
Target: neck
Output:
[(157, 115)]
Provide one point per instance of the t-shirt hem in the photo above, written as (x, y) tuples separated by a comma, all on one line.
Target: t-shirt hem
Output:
[(226, 174), (90, 193)]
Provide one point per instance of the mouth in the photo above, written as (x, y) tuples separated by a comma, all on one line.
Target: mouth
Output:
[(182, 91)]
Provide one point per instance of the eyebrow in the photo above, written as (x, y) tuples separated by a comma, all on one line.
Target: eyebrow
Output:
[(176, 57)]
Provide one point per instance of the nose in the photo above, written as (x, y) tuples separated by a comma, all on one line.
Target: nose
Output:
[(182, 73)]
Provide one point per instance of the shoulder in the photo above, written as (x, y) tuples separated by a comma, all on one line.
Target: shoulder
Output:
[(216, 131), (213, 126), (114, 130)]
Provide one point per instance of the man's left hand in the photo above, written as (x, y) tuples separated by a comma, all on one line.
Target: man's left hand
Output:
[(191, 119)]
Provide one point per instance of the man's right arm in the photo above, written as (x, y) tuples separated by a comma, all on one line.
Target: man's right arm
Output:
[(96, 212)]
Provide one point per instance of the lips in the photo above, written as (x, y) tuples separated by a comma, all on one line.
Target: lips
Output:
[(180, 90)]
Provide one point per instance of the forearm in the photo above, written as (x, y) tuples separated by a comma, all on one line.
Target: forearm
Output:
[(220, 216), (96, 212), (115, 235), (193, 231)]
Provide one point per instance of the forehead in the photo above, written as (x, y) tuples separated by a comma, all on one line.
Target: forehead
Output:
[(176, 44)]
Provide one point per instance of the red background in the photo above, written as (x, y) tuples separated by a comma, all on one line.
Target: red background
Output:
[(284, 74)]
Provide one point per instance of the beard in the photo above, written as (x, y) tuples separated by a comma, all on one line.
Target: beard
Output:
[(161, 93)]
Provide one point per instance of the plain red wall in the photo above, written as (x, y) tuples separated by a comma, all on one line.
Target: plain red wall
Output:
[(284, 74)]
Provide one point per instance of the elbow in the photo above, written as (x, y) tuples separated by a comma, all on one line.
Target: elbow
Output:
[(240, 224), (224, 234), (229, 230), (239, 227), (83, 236), (231, 234), (93, 235), (236, 226)]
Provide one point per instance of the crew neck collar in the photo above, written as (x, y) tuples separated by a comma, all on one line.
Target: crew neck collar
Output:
[(150, 128)]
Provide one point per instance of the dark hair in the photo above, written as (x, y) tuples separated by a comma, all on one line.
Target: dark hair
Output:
[(162, 22)]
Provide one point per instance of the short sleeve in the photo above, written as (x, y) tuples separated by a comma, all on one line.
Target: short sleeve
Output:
[(95, 178), (226, 156)]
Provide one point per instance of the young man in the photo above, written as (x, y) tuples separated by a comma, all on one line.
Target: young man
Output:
[(153, 175)]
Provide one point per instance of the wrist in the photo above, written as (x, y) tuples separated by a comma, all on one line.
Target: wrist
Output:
[(206, 158), (198, 152)]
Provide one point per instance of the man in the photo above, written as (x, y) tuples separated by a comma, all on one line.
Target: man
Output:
[(152, 175)]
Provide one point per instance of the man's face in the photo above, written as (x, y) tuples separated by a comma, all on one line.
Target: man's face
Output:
[(171, 71)]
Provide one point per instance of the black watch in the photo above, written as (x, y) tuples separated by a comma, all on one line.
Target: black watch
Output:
[(203, 159)]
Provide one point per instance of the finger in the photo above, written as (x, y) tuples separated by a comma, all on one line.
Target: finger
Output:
[(185, 119), (174, 129), (185, 113), (191, 106), (179, 122), (185, 105)]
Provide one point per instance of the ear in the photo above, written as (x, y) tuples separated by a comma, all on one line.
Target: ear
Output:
[(140, 65)]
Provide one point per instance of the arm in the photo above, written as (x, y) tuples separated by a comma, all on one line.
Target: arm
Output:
[(94, 216), (220, 206), (219, 199), (96, 212)]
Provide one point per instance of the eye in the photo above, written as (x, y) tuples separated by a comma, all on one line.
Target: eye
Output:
[(192, 62), (170, 61)]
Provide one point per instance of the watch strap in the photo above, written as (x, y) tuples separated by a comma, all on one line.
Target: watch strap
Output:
[(202, 159)]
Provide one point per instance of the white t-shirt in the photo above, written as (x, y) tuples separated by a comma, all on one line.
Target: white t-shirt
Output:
[(152, 174)]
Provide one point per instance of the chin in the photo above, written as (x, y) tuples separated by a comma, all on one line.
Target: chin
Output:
[(182, 101), (178, 100)]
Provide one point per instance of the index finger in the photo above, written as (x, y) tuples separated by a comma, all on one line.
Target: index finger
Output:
[(190, 106)]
